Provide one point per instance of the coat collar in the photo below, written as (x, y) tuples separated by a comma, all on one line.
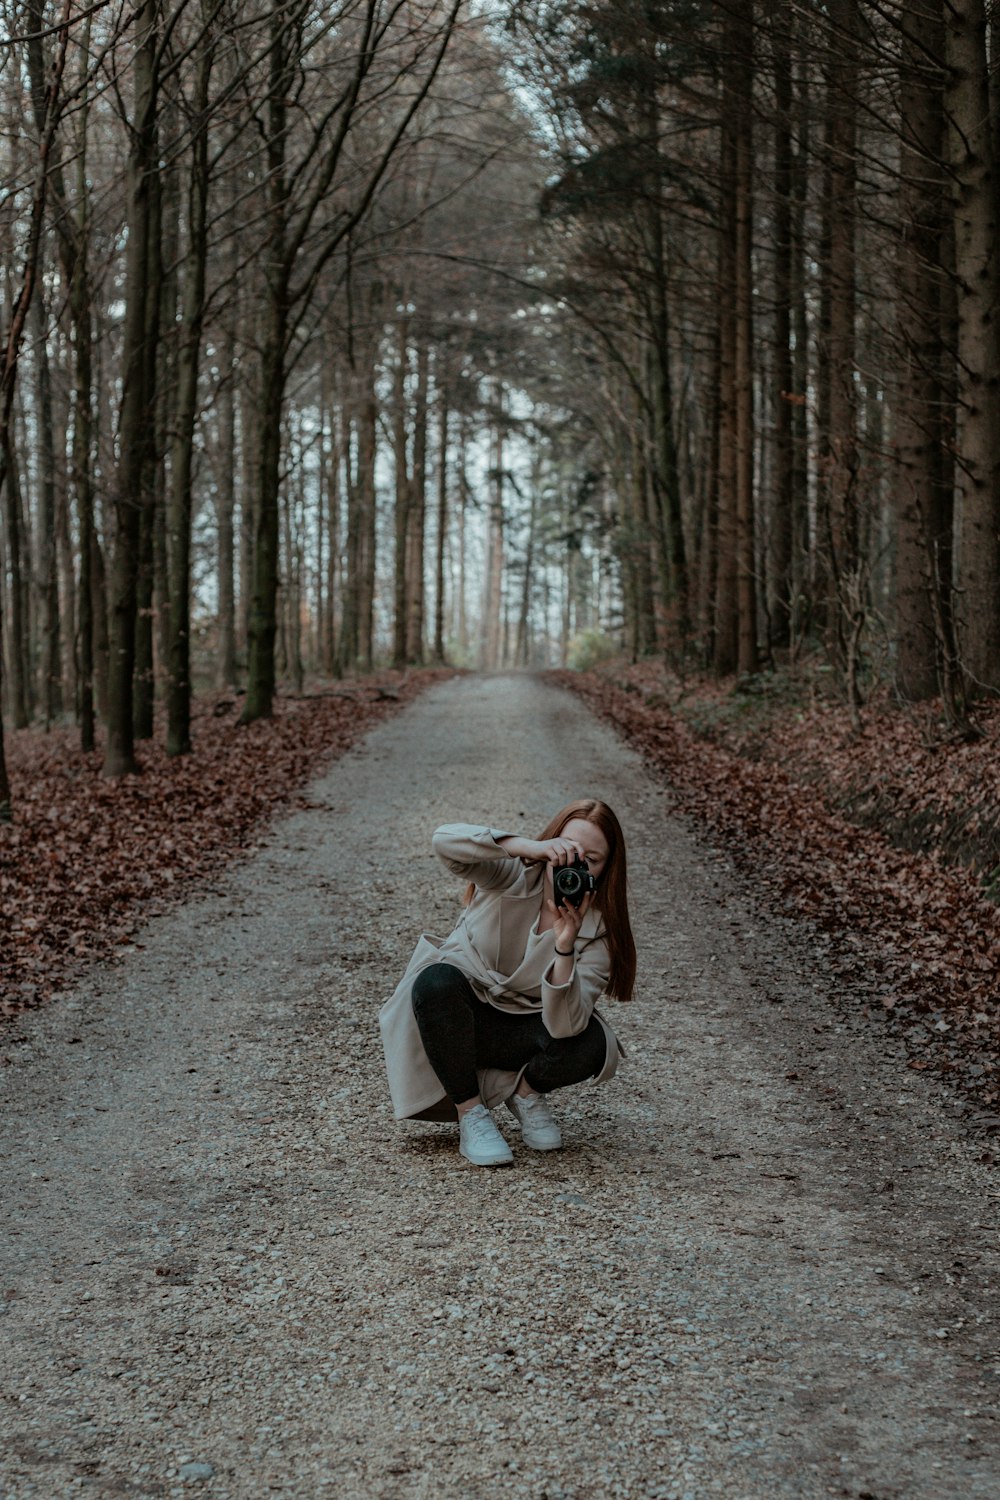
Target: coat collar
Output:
[(515, 907)]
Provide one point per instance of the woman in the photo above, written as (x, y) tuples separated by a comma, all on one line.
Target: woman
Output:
[(502, 1010)]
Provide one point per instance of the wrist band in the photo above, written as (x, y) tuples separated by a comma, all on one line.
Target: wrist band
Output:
[(565, 955)]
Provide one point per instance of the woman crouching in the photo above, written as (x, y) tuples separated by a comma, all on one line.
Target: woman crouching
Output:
[(503, 1009)]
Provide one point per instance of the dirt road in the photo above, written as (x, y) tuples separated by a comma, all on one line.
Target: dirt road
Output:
[(761, 1267)]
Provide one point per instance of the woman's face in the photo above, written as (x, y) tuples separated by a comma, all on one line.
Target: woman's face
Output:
[(592, 842)]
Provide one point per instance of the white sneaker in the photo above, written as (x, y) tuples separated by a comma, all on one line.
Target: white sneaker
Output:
[(480, 1141), (539, 1128)]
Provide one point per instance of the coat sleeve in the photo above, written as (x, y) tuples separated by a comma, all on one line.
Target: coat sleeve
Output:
[(567, 1008), (474, 854)]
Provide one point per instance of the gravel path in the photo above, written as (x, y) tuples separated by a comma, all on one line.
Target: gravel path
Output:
[(760, 1268)]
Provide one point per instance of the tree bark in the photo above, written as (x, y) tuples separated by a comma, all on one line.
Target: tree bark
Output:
[(924, 510), (17, 647), (726, 635), (493, 602), (522, 641), (418, 512), (48, 578), (367, 451), (442, 522), (225, 507), (263, 626), (743, 389), (347, 646), (20, 302), (76, 270), (180, 502), (137, 398), (170, 334), (665, 474), (285, 37), (977, 273), (840, 272), (151, 486), (782, 506), (403, 497)]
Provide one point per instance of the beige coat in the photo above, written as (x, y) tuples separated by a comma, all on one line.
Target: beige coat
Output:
[(489, 946)]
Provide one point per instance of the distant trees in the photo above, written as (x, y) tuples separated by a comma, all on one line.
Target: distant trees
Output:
[(326, 345), (778, 225), (24, 273)]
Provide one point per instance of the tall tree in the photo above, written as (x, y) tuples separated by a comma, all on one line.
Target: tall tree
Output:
[(132, 496), (735, 640), (927, 650), (20, 302), (973, 171), (180, 504), (299, 187)]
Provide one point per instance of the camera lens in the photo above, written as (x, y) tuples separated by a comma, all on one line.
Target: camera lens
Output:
[(568, 882)]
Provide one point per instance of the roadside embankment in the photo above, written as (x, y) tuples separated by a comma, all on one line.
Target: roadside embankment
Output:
[(87, 860), (785, 789)]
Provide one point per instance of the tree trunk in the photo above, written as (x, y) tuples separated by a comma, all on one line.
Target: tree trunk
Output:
[(359, 478), (83, 430), (709, 538), (48, 578), (263, 620), (225, 507), (186, 412), (802, 566), (493, 602), (367, 452), (334, 588), (462, 613), (924, 476), (783, 385), (418, 513), (403, 497), (137, 399), (442, 522), (522, 641), (263, 627), (5, 807), (20, 303), (639, 561), (152, 483), (66, 581), (167, 395), (743, 41), (665, 473), (843, 535), (295, 573), (144, 685), (248, 452), (726, 638), (977, 272), (102, 635), (17, 648), (347, 648)]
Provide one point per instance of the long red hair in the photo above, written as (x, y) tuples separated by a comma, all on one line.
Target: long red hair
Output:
[(611, 896)]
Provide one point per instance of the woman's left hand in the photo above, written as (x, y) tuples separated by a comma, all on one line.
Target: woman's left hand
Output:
[(566, 921)]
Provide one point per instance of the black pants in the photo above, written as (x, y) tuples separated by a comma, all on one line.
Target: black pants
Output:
[(460, 1033)]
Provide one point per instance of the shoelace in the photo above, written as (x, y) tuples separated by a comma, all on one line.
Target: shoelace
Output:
[(480, 1126)]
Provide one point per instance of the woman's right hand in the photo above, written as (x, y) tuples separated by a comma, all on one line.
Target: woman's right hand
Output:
[(557, 851)]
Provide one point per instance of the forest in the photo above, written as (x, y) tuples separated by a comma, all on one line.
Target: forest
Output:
[(499, 334), (416, 417)]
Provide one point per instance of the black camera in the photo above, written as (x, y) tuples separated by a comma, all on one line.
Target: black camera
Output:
[(572, 882)]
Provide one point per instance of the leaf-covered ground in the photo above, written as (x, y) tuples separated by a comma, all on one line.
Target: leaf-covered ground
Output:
[(911, 929), (87, 860)]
